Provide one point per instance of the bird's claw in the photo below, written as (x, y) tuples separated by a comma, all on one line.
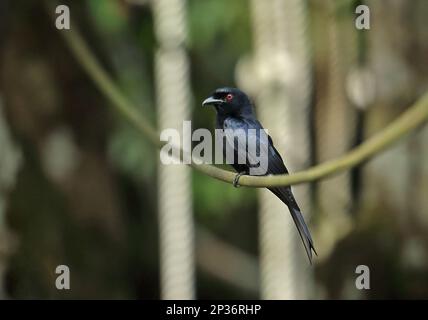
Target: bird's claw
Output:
[(236, 179)]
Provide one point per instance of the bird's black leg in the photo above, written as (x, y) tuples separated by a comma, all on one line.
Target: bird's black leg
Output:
[(236, 179)]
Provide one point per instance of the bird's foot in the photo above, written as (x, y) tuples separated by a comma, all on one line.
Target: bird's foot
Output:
[(236, 179)]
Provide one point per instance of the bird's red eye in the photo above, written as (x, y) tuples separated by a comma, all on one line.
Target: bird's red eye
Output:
[(229, 97)]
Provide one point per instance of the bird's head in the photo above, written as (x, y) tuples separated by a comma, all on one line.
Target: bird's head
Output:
[(229, 101)]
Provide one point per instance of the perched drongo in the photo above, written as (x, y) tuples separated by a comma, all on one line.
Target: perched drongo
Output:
[(235, 115)]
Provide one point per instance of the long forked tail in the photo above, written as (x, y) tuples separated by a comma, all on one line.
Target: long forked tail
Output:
[(304, 232), (286, 196)]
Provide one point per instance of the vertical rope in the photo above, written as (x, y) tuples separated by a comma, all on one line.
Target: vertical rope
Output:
[(335, 125), (276, 250), (173, 100), (298, 122), (281, 62), (388, 55)]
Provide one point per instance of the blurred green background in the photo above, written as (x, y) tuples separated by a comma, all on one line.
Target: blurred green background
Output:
[(79, 185)]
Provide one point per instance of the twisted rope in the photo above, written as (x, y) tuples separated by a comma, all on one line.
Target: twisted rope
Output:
[(174, 182), (283, 72), (335, 195), (298, 154)]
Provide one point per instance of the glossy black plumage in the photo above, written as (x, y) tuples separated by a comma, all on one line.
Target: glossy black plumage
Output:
[(235, 111)]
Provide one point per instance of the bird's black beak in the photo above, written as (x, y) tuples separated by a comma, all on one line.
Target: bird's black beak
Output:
[(211, 101)]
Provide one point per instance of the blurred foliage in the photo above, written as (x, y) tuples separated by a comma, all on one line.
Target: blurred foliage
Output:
[(101, 220)]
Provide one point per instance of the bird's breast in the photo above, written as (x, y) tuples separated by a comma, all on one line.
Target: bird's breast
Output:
[(233, 123)]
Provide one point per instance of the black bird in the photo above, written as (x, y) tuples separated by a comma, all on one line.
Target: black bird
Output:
[(235, 111)]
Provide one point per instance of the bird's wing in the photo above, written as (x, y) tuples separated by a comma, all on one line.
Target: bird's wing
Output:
[(268, 153), (249, 141)]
